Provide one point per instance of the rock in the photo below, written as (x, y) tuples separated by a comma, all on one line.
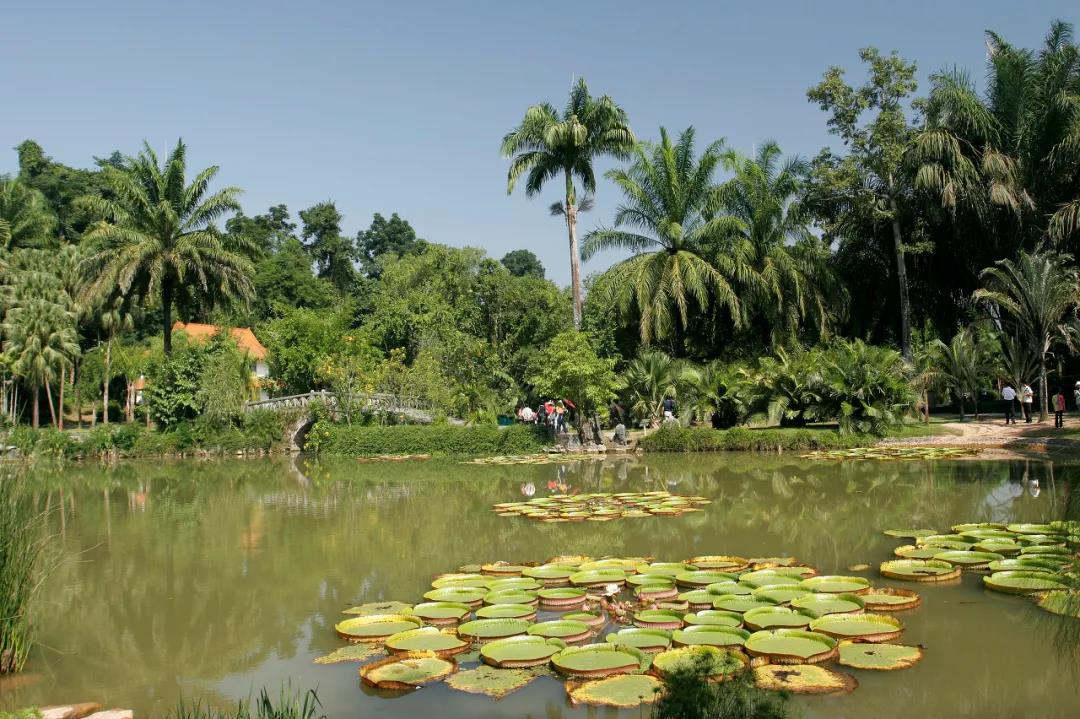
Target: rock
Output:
[(70, 711), (113, 714)]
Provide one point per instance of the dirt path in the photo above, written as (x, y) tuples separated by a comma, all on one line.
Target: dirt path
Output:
[(995, 433)]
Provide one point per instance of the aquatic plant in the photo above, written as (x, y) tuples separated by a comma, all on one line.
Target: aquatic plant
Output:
[(291, 704), (22, 545), (689, 693)]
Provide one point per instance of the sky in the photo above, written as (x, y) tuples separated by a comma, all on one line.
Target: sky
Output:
[(401, 106)]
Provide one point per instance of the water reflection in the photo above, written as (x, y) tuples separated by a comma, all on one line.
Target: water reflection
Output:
[(220, 576)]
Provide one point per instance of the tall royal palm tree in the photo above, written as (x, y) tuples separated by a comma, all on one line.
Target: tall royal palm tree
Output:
[(548, 144), (1009, 157), (158, 237), (1040, 294), (797, 283), (685, 252), (25, 217), (40, 342)]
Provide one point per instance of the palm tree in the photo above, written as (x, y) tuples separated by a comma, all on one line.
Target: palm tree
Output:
[(797, 281), (671, 203), (1009, 156), (1040, 293), (40, 341), (960, 367), (650, 378), (158, 237), (547, 144), (719, 393), (25, 217)]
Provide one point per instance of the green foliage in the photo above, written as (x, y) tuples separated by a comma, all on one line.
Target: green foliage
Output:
[(25, 218), (961, 367), (568, 368), (225, 384), (523, 263), (298, 342), (29, 713), (172, 391), (866, 387), (333, 253), (291, 704), (22, 544), (688, 694), (673, 438), (394, 236), (426, 439), (650, 378)]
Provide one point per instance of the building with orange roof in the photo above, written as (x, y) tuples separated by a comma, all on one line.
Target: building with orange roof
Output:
[(245, 339)]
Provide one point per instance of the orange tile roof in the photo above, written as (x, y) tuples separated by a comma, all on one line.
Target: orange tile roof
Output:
[(245, 338)]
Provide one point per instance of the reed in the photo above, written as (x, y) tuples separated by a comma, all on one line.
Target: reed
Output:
[(291, 704), (22, 545)]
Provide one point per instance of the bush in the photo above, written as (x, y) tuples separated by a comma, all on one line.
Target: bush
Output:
[(689, 694), (54, 443), (426, 439), (24, 439), (670, 438)]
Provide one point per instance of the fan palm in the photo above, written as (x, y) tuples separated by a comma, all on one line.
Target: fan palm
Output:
[(719, 393), (789, 385), (547, 144), (1011, 155), (40, 342), (1040, 293), (960, 367), (158, 236), (797, 282), (670, 208), (650, 378), (25, 218)]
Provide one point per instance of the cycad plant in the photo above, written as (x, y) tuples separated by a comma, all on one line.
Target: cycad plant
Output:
[(961, 367), (649, 379), (158, 239), (719, 393), (549, 144)]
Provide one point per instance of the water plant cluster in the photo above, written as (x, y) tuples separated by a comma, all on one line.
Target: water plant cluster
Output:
[(612, 629), (601, 506), (1038, 560), (924, 453)]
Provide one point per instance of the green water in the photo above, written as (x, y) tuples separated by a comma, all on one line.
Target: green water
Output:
[(212, 579)]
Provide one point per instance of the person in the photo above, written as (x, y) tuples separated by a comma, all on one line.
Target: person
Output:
[(541, 415), (1009, 395), (1027, 396), (620, 434), (527, 415), (1076, 394), (1059, 409), (669, 407), (560, 418)]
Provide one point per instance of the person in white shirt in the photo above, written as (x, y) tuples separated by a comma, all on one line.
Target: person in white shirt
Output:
[(1027, 397), (1009, 395)]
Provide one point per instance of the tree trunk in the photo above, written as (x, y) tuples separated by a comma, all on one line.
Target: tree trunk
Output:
[(961, 407), (78, 399), (60, 401), (35, 410), (48, 398), (1042, 388), (575, 254), (901, 278), (129, 403), (166, 314), (975, 399), (105, 383)]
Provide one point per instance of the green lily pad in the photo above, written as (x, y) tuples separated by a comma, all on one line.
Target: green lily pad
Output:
[(526, 584), (556, 597), (968, 559), (593, 577), (441, 612), (714, 662), (378, 608), (642, 580), (729, 587), (593, 619), (823, 604), (625, 691), (566, 629), (740, 603), (1030, 528), (492, 628), (998, 546), (864, 627), (1041, 540), (913, 551), (773, 617), (666, 569), (403, 672), (351, 653), (506, 611), (443, 642), (879, 657), (658, 619), (1023, 582), (910, 533), (779, 594), (620, 564), (710, 634), (768, 578), (491, 682), (1044, 549), (836, 584), (472, 596), (598, 660), (520, 651), (503, 569), (788, 570), (375, 627), (890, 599), (703, 578), (791, 646), (715, 617), (920, 570), (803, 679), (722, 562), (549, 573), (511, 596), (462, 579), (642, 638), (962, 528), (1028, 563), (976, 535)]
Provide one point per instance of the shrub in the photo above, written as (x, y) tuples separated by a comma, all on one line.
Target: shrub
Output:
[(54, 443), (689, 694), (426, 439), (670, 438), (24, 439)]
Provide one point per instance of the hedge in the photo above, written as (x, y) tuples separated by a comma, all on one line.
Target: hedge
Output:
[(427, 439), (741, 439)]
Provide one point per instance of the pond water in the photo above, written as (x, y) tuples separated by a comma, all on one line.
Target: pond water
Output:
[(215, 578)]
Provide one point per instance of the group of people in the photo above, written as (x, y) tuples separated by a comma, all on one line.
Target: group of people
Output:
[(1026, 397), (550, 413)]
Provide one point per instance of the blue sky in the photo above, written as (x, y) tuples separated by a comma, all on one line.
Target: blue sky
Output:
[(400, 106)]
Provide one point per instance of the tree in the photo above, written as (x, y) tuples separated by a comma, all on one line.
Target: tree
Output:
[(158, 238), (671, 202), (877, 147), (547, 144), (333, 253), (40, 341), (960, 367), (570, 369), (650, 378), (62, 187), (284, 280), (383, 236), (298, 342), (1040, 293), (25, 218), (264, 233), (719, 393), (523, 263)]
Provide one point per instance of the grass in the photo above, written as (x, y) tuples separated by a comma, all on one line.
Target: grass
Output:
[(22, 544), (291, 704)]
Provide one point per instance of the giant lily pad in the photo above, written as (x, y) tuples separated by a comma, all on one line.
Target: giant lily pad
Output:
[(656, 591), (658, 619), (485, 629), (364, 610), (791, 646), (593, 619), (780, 594), (823, 604), (773, 617), (503, 569), (1029, 563), (462, 579), (729, 587), (666, 569), (1043, 549), (1042, 540), (788, 569), (562, 597), (703, 578), (351, 653), (495, 683), (375, 627), (968, 559), (804, 679), (768, 578), (962, 528), (864, 627), (716, 663), (976, 535), (917, 551), (550, 574), (594, 577), (641, 580), (722, 562), (473, 596), (439, 613), (879, 657), (1030, 529), (644, 639), (836, 584), (506, 611), (625, 691), (998, 546), (920, 570), (523, 651), (711, 634), (598, 660), (740, 603), (890, 599), (407, 671), (442, 642), (511, 596), (910, 533), (1021, 582), (565, 629), (715, 617), (527, 584), (625, 565)]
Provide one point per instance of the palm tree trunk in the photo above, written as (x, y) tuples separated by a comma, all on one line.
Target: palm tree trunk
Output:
[(78, 398), (1042, 388), (48, 398), (60, 403), (105, 383), (575, 254), (35, 410), (901, 278), (166, 314)]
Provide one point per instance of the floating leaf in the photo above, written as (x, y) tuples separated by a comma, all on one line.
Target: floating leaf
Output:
[(473, 596), (836, 584), (822, 604), (864, 627), (1023, 582), (773, 617), (592, 577), (722, 562), (920, 570), (441, 612), (375, 627), (890, 599), (710, 634), (442, 642), (462, 579), (910, 533), (492, 628), (716, 617), (803, 679), (370, 608), (597, 660), (643, 639), (703, 577), (913, 551), (506, 611), (740, 603), (791, 646), (495, 683), (879, 657), (408, 671), (968, 559), (779, 594), (523, 651), (562, 597), (713, 661), (527, 584), (351, 653), (625, 691), (768, 578), (566, 629), (511, 596), (658, 619)]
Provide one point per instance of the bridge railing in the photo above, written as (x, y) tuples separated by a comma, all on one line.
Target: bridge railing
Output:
[(377, 401)]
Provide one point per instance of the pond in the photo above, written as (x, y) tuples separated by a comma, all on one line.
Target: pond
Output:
[(215, 578)]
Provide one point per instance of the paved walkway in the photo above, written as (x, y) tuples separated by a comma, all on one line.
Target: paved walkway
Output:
[(993, 432)]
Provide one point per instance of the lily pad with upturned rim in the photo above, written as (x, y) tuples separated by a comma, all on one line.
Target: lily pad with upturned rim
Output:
[(473, 596), (920, 570), (773, 617), (803, 679), (462, 579), (592, 577), (1021, 582), (598, 660), (625, 691), (562, 597), (1028, 563), (703, 577), (915, 551), (404, 672), (836, 584), (520, 651), (525, 584), (375, 627), (491, 682), (658, 619), (791, 646), (863, 627), (503, 569), (647, 640), (910, 533), (1030, 528), (439, 613), (442, 642), (567, 630), (392, 607), (890, 599), (716, 663), (351, 653), (715, 617), (549, 574), (710, 634), (740, 603), (722, 562), (486, 629), (768, 578), (666, 569), (729, 588), (506, 611), (968, 559), (823, 604), (878, 657), (511, 596), (593, 619), (779, 594)]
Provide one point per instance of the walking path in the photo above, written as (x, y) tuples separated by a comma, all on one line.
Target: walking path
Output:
[(994, 433)]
